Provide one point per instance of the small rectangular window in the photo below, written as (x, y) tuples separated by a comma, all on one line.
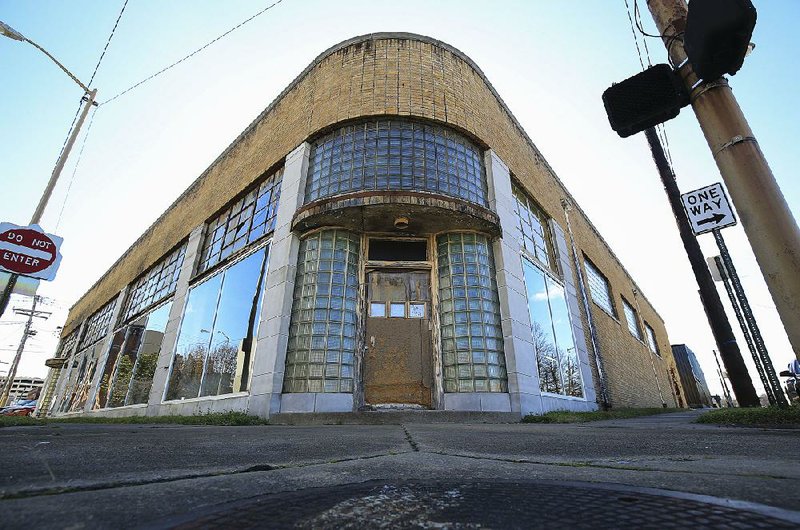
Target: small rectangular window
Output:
[(377, 309), (416, 310), (397, 309), (630, 316), (599, 287), (397, 250), (651, 339)]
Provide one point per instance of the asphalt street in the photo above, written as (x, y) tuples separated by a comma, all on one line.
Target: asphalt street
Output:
[(101, 476)]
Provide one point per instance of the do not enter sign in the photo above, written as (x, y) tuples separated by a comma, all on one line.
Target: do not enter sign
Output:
[(29, 251)]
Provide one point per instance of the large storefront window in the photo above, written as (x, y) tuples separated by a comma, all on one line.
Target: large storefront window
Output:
[(215, 341), (396, 155), (322, 336), (132, 360), (533, 223), (79, 382), (556, 356), (472, 339)]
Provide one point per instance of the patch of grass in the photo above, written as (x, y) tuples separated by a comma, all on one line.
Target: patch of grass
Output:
[(563, 416), (216, 418), (757, 417)]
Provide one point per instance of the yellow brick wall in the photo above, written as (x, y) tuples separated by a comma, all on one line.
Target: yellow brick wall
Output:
[(392, 75)]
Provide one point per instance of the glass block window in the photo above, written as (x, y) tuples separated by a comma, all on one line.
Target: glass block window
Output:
[(651, 339), (396, 154), (67, 345), (631, 319), (157, 283), (533, 223), (322, 335), (472, 339), (245, 221), (97, 325), (556, 356), (599, 287)]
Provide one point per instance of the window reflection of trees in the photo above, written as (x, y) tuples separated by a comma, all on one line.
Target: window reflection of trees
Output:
[(213, 353), (556, 355)]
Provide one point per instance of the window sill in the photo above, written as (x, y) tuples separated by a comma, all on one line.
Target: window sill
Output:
[(606, 311)]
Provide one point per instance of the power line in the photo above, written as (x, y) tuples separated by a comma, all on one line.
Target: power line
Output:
[(75, 169), (179, 61), (108, 42)]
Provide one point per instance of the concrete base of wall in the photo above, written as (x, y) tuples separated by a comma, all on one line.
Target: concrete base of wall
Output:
[(478, 401), (316, 402)]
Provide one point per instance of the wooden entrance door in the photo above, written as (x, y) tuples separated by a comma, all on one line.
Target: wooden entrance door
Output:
[(398, 366)]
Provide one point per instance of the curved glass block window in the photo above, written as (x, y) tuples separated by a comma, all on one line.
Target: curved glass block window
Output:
[(97, 325), (472, 339), (157, 283), (556, 356), (322, 335), (245, 221), (132, 360), (536, 236), (216, 337), (396, 155)]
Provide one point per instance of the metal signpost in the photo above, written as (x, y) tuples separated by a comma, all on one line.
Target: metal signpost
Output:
[(708, 210)]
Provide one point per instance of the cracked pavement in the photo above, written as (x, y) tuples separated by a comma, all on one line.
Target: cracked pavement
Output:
[(94, 475)]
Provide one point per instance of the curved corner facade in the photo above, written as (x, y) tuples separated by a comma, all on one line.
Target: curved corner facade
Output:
[(383, 235)]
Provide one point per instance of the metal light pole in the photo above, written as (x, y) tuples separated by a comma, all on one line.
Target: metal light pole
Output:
[(770, 227), (89, 99)]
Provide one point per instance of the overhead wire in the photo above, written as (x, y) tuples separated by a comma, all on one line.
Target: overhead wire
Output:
[(195, 52)]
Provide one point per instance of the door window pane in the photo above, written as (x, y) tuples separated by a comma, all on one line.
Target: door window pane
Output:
[(377, 309), (416, 310), (397, 309)]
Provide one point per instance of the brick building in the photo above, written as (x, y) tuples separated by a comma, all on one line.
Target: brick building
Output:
[(385, 233), (693, 380)]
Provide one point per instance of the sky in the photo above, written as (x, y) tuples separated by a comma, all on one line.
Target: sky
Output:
[(549, 60)]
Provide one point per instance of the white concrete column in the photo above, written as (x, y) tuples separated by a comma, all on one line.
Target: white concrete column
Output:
[(573, 303), (105, 346), (269, 359), (161, 375), (523, 378)]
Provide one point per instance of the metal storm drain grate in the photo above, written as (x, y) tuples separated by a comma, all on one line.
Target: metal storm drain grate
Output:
[(544, 504)]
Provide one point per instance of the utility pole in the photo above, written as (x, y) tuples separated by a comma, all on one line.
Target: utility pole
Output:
[(12, 371), (770, 227), (725, 390), (715, 311)]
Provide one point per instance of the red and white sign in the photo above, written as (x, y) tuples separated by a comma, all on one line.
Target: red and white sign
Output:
[(29, 251)]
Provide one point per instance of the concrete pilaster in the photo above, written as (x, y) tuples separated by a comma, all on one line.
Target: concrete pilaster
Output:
[(269, 359), (161, 375), (523, 379)]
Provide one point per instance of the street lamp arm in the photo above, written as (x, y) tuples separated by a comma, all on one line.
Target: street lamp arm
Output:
[(64, 68)]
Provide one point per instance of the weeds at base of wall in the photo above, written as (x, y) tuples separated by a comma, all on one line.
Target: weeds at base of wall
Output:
[(215, 418), (754, 417), (564, 416)]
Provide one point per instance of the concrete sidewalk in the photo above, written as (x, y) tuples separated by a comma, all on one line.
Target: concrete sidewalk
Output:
[(133, 475)]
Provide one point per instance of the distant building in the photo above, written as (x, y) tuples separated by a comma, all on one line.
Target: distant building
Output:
[(22, 386), (692, 378), (384, 234)]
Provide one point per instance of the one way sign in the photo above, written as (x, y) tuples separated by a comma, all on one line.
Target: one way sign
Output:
[(708, 209)]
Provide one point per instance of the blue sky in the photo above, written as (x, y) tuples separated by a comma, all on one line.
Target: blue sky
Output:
[(549, 60)]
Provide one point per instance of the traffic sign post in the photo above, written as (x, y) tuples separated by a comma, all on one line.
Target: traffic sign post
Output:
[(708, 209)]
